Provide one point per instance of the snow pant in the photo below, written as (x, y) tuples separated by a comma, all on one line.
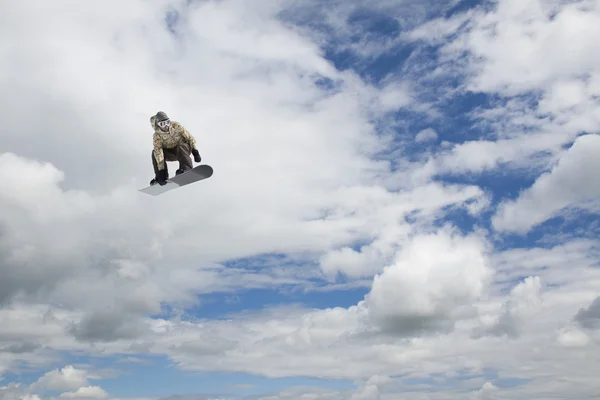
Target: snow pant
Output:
[(182, 153)]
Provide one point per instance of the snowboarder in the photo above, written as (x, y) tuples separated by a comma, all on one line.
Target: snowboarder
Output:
[(172, 142)]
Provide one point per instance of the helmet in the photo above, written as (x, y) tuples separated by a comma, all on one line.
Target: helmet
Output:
[(159, 117)]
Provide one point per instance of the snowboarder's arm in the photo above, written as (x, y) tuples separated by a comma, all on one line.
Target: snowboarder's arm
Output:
[(192, 141), (187, 135)]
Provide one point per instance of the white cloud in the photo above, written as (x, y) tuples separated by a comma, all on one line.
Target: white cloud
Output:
[(426, 135), (487, 392), (84, 258), (393, 97), (437, 30), (519, 309), (433, 277), (543, 51), (379, 217), (88, 392), (572, 337), (571, 183), (590, 317), (564, 95), (64, 379), (13, 391), (75, 231)]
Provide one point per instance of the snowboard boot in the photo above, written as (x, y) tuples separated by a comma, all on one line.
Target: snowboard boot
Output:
[(154, 182), (182, 170)]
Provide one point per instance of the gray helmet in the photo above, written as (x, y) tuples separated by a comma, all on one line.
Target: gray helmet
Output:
[(160, 116)]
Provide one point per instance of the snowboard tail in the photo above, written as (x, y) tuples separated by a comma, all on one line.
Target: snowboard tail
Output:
[(196, 174)]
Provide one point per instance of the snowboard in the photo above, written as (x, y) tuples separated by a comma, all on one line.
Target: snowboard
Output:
[(193, 175)]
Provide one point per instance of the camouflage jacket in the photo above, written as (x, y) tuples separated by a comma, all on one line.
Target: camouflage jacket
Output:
[(167, 140)]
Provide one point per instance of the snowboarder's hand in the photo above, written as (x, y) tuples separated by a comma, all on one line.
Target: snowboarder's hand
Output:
[(196, 154), (161, 178)]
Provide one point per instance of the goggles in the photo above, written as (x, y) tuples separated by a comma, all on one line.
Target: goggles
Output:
[(164, 124)]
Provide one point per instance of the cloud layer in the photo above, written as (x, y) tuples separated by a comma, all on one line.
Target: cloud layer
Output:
[(329, 174)]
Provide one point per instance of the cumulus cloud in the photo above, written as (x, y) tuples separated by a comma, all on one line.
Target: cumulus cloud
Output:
[(107, 326), (69, 382), (14, 391), (433, 277), (487, 392), (371, 389), (387, 228), (297, 149), (88, 392), (590, 317), (64, 379), (517, 311), (75, 232), (572, 337)]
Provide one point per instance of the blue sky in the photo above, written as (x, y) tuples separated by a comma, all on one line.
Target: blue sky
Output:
[(401, 201)]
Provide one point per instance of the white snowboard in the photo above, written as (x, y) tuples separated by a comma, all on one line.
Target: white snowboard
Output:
[(193, 175)]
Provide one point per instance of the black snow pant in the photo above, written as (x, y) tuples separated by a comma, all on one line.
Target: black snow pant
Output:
[(181, 153)]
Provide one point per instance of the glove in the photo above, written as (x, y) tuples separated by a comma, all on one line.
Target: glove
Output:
[(161, 177), (196, 154)]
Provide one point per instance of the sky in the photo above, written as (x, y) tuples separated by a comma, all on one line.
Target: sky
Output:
[(405, 201)]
